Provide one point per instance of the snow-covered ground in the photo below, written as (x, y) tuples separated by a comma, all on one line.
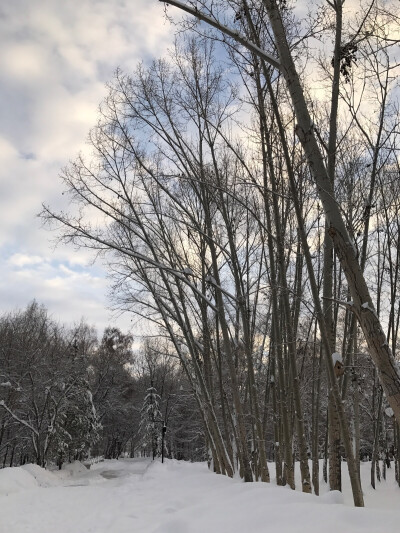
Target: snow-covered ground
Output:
[(137, 496)]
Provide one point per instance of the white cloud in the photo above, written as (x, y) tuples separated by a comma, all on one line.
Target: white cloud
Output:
[(25, 61), (56, 59), (21, 260), (69, 294)]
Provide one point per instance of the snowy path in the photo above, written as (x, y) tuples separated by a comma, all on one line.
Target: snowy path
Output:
[(135, 496), (84, 501)]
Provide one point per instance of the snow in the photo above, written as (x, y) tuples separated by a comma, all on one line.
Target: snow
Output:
[(138, 496), (365, 305), (75, 468), (389, 411), (43, 478), (15, 480)]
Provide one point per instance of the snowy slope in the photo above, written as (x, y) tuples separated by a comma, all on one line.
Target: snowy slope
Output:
[(135, 496)]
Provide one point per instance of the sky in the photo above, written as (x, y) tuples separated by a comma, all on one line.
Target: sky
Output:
[(56, 57)]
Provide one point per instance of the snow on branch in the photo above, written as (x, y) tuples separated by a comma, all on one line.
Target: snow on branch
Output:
[(367, 307), (15, 417), (349, 303), (212, 281)]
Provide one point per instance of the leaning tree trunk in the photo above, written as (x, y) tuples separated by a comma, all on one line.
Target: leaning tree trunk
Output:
[(361, 303)]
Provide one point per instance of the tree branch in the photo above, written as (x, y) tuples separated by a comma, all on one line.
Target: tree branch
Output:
[(271, 60), (15, 417)]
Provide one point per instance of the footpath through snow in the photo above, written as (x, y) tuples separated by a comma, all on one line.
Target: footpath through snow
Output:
[(136, 496)]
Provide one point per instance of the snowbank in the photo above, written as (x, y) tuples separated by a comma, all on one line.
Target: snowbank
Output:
[(207, 502), (30, 476), (25, 477), (74, 469), (178, 497), (14, 480), (44, 478)]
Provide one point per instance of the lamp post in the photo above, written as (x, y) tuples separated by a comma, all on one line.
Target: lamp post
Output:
[(164, 430)]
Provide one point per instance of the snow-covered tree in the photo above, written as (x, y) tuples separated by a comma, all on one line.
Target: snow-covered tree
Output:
[(151, 422), (46, 409), (114, 392), (77, 428)]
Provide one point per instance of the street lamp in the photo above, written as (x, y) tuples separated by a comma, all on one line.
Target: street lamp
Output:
[(164, 430)]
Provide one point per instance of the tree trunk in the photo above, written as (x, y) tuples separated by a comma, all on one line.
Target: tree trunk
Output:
[(362, 302)]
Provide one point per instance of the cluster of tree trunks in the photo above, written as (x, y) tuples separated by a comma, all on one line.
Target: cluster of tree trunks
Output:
[(244, 231)]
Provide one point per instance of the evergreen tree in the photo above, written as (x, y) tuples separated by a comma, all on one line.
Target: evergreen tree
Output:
[(150, 421)]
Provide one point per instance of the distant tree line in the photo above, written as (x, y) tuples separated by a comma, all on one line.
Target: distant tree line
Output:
[(65, 395)]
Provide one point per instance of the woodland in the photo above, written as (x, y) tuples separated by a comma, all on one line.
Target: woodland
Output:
[(244, 193)]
